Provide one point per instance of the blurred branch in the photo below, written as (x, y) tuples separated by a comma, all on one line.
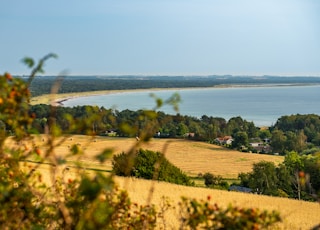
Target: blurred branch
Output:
[(39, 68)]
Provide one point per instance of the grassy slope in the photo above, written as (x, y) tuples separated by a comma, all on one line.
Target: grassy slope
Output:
[(193, 158), (296, 214)]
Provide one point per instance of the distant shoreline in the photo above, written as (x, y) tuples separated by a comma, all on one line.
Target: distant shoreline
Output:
[(59, 99)]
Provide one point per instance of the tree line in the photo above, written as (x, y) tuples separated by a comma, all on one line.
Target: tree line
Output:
[(43, 84), (300, 133), (297, 177), (295, 136), (204, 129)]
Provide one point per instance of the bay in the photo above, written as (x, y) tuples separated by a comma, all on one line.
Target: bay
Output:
[(262, 104)]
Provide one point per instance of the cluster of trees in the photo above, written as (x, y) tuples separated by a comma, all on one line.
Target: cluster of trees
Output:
[(290, 133), (297, 177), (206, 128), (215, 181), (43, 84), (295, 131), (149, 165)]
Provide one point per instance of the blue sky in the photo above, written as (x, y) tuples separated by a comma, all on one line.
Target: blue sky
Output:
[(187, 37)]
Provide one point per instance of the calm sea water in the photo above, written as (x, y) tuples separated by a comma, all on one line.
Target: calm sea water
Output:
[(262, 105)]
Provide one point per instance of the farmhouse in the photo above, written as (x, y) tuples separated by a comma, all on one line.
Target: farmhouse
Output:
[(110, 133), (260, 147), (189, 135), (226, 140)]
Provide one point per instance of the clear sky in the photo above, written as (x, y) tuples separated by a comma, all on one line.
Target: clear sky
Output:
[(187, 37)]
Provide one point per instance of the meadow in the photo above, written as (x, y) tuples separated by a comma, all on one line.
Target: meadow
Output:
[(193, 158)]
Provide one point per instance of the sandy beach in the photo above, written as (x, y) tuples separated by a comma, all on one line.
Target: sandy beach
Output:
[(58, 99)]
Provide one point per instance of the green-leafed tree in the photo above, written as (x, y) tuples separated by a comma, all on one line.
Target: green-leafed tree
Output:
[(263, 134), (284, 181), (264, 178), (293, 162), (278, 141), (312, 171), (148, 165), (240, 139)]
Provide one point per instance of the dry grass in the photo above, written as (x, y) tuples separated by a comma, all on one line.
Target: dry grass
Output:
[(193, 158), (296, 214)]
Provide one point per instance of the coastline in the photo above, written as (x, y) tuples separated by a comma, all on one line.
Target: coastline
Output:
[(59, 99)]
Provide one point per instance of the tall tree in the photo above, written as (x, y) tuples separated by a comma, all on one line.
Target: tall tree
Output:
[(278, 141), (264, 178), (240, 139)]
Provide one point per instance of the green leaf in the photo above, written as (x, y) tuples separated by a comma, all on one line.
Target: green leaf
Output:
[(89, 188), (126, 128), (61, 161), (150, 114), (55, 130), (174, 101), (75, 149), (28, 61), (159, 101), (106, 154)]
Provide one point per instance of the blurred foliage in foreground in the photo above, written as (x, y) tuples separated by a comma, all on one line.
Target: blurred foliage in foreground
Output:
[(87, 200)]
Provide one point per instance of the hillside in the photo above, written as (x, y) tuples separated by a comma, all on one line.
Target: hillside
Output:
[(296, 214), (191, 156)]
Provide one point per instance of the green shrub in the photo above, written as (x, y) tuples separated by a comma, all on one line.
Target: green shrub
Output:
[(215, 181), (204, 214), (149, 165)]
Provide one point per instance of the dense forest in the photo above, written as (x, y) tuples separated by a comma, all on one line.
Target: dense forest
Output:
[(43, 84)]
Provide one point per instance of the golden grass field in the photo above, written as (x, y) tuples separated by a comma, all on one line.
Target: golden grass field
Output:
[(296, 214), (193, 158)]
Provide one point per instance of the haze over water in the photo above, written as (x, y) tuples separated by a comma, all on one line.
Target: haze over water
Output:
[(262, 105)]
